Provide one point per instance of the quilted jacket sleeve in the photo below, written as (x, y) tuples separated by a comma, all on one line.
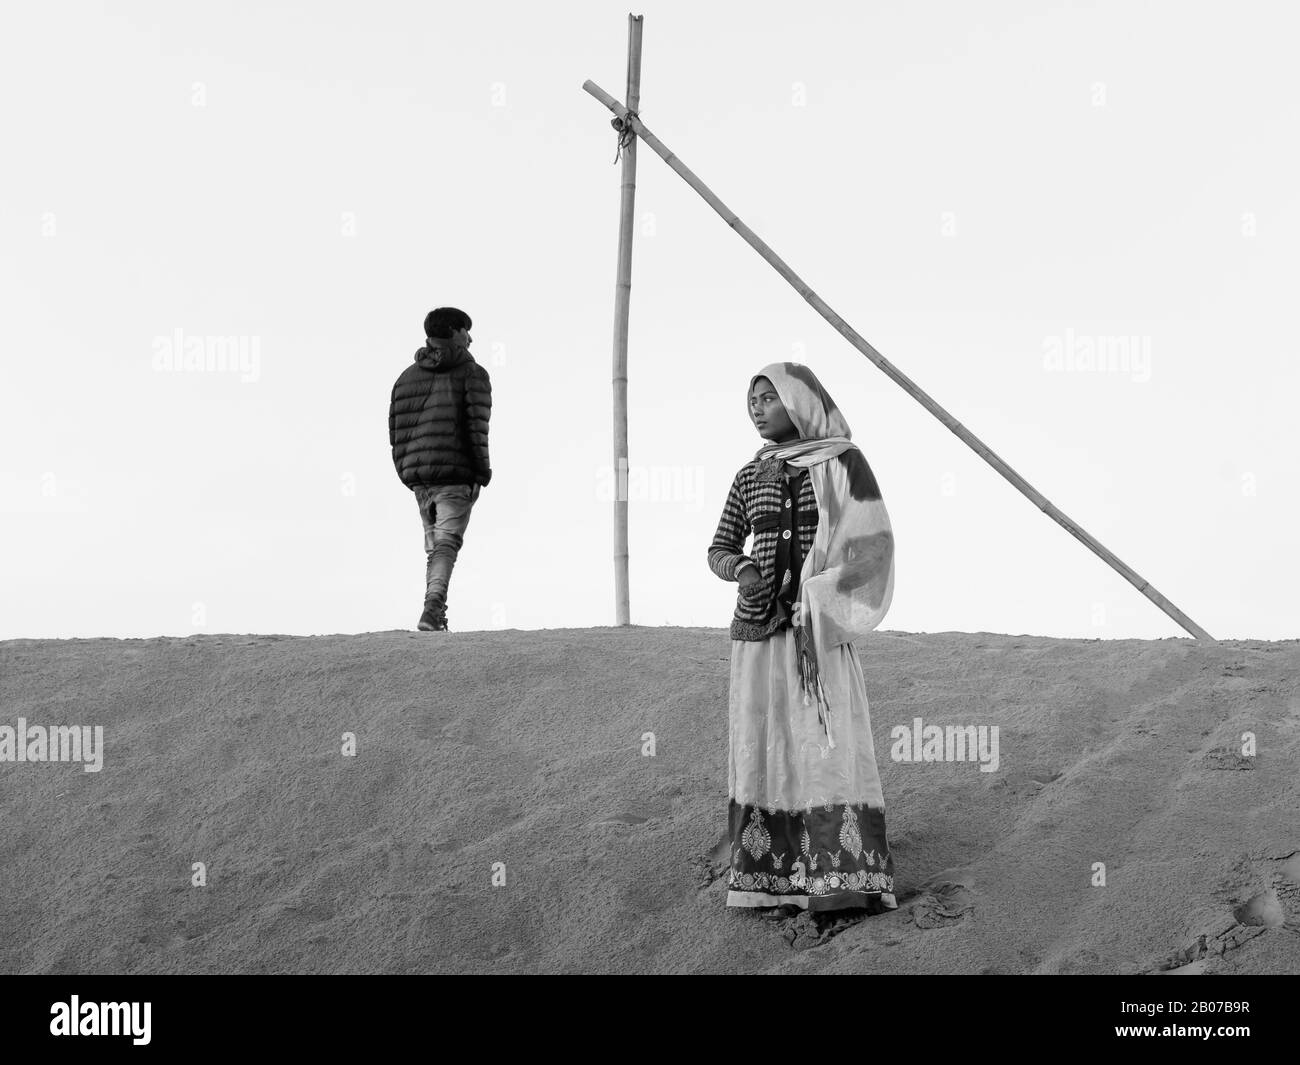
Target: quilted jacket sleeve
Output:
[(392, 425), (478, 409)]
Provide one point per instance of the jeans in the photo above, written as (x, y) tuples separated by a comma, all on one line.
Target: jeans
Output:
[(444, 509)]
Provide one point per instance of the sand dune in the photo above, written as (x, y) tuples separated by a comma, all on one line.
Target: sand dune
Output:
[(525, 748)]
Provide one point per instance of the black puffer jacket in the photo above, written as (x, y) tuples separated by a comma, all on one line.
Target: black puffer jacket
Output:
[(438, 419)]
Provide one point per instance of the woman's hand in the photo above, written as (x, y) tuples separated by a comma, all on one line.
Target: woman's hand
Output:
[(750, 580)]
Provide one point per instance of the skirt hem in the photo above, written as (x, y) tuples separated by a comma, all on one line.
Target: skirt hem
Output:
[(877, 901)]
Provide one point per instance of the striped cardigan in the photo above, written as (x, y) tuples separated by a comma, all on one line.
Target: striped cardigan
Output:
[(756, 504)]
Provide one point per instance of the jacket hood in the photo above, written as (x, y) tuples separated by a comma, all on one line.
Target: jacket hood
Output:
[(441, 355)]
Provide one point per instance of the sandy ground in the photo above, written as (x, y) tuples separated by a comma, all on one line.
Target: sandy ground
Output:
[(525, 748)]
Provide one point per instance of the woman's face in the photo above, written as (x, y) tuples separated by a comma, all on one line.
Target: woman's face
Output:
[(769, 414)]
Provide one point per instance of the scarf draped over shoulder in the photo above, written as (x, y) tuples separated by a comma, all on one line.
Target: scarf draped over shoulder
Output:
[(847, 580)]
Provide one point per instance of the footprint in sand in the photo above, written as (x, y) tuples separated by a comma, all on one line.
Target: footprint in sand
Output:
[(637, 814), (712, 865), (1263, 913), (1206, 952), (1262, 909), (721, 852), (1289, 868), (804, 930), (943, 903), (1222, 936)]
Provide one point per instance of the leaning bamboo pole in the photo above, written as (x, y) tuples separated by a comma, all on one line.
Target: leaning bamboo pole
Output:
[(622, 306), (633, 123)]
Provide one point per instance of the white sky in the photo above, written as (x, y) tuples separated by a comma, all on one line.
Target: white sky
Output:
[(315, 177)]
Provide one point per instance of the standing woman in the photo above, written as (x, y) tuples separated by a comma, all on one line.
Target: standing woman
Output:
[(806, 811)]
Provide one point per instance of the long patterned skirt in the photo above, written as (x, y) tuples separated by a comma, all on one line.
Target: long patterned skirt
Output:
[(807, 822)]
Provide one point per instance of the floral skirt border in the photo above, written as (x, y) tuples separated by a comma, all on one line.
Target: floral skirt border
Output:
[(823, 858)]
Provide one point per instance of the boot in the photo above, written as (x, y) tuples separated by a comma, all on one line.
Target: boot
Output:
[(434, 617)]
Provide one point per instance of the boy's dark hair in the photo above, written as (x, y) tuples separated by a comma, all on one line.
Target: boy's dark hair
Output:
[(443, 321)]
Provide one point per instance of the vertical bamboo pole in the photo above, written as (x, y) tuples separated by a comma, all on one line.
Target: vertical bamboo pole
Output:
[(898, 377), (622, 304)]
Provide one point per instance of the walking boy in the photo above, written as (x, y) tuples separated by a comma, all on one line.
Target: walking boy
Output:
[(438, 430)]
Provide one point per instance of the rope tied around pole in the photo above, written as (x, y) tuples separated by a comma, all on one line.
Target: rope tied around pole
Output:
[(625, 134)]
